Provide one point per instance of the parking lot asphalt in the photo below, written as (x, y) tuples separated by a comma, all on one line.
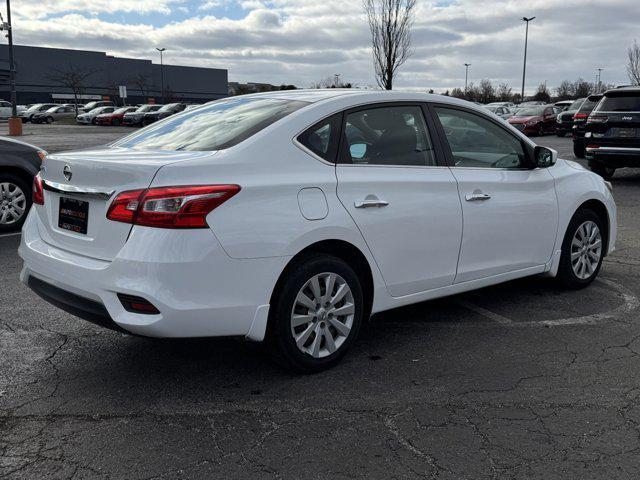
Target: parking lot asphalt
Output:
[(521, 380)]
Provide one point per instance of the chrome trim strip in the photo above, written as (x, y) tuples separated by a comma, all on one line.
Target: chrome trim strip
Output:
[(73, 190), (613, 149)]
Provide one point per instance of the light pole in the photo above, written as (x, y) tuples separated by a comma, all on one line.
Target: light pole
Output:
[(161, 72), (599, 84), (466, 77), (337, 75), (15, 124), (526, 41)]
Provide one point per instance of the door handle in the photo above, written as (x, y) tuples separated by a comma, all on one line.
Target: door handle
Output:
[(477, 197), (369, 203)]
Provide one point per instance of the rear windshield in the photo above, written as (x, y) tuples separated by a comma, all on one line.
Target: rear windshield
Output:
[(589, 104), (620, 103), (215, 126), (530, 111)]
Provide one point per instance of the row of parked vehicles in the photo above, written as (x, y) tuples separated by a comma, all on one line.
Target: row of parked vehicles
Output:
[(100, 113), (605, 127)]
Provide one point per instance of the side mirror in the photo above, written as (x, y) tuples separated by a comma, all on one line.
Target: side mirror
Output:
[(358, 150), (544, 157)]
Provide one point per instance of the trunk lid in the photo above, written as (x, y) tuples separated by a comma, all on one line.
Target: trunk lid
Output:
[(96, 177)]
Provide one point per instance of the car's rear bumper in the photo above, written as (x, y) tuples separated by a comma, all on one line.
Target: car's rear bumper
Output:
[(198, 289), (616, 157)]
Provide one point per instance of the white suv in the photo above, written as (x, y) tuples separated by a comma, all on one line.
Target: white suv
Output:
[(290, 217)]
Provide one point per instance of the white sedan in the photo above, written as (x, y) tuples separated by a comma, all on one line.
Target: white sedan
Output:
[(291, 217)]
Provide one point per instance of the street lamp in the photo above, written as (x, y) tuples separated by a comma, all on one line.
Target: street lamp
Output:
[(599, 82), (524, 68), (15, 124), (337, 75), (161, 72), (466, 77)]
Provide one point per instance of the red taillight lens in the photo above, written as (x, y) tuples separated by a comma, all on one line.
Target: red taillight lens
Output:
[(170, 207), (580, 116), (38, 193)]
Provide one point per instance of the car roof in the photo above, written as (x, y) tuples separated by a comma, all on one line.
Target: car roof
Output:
[(623, 91)]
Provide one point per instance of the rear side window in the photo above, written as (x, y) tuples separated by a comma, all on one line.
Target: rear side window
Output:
[(620, 103), (589, 104), (216, 126), (323, 138)]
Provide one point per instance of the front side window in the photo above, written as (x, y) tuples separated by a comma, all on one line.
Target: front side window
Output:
[(395, 136), (478, 142), (323, 137), (216, 126)]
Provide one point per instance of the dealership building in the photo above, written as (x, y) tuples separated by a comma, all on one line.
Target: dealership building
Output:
[(42, 75)]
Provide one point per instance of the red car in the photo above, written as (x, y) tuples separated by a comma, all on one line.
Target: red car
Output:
[(536, 119), (114, 118)]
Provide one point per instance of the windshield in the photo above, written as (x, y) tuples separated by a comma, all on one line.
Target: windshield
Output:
[(491, 109), (216, 126), (620, 103), (530, 112), (147, 108), (168, 107), (575, 105), (35, 107), (52, 110), (122, 110)]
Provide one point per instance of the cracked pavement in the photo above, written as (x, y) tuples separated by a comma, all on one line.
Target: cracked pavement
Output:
[(443, 390)]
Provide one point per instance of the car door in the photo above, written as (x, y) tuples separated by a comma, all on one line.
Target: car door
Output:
[(510, 210), (549, 119), (401, 195)]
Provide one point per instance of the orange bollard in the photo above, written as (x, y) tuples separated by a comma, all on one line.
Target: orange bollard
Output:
[(15, 126)]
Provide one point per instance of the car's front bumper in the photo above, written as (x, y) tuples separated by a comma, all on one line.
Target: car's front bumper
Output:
[(199, 290)]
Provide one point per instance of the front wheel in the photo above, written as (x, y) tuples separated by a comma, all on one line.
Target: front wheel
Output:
[(316, 314), (15, 201), (49, 120), (582, 250)]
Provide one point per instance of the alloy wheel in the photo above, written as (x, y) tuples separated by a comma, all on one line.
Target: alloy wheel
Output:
[(13, 203), (586, 250), (322, 315)]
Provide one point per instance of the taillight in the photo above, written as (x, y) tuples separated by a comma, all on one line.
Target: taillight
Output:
[(580, 116), (170, 207), (597, 119), (38, 193)]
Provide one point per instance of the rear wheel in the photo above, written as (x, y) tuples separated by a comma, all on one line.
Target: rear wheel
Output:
[(316, 314), (15, 201), (578, 150), (49, 119), (602, 170), (582, 250)]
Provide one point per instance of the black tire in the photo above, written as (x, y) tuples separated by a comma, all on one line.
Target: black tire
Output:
[(566, 274), (561, 134), (49, 119), (605, 172), (26, 189), (280, 341), (578, 150), (94, 121)]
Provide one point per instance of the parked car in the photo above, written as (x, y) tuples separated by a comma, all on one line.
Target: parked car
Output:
[(19, 164), (54, 113), (564, 104), (93, 105), (612, 132), (249, 217), (502, 112), (6, 110), (535, 120), (92, 116), (501, 104), (579, 122), (564, 119), (164, 112), (114, 118), (135, 118), (28, 114)]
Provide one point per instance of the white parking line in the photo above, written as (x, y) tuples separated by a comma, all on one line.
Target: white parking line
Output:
[(10, 234), (484, 312)]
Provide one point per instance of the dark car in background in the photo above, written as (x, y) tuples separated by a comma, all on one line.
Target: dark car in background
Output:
[(135, 118), (535, 119), (19, 164), (114, 118), (564, 120), (579, 122), (166, 111), (612, 132)]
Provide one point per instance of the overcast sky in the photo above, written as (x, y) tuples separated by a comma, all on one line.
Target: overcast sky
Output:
[(302, 41)]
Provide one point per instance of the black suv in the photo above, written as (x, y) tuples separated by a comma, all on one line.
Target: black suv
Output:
[(612, 132), (164, 112), (564, 121), (580, 121)]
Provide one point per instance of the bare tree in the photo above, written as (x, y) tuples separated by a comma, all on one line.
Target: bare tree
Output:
[(542, 94), (505, 92), (566, 90), (487, 91), (390, 22), (72, 77), (141, 81), (633, 65), (582, 88)]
